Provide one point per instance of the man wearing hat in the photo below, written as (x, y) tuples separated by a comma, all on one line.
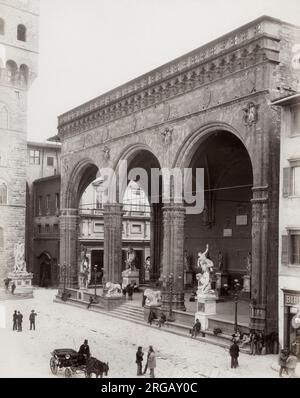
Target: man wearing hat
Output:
[(32, 320), (84, 352)]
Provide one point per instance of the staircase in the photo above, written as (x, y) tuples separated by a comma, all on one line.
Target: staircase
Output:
[(129, 312)]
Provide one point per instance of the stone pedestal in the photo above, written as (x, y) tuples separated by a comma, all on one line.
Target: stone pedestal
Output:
[(132, 278), (222, 279), (23, 282), (206, 306), (246, 284), (147, 276), (188, 278)]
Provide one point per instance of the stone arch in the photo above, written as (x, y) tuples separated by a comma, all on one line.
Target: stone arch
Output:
[(12, 69), (84, 173), (189, 147)]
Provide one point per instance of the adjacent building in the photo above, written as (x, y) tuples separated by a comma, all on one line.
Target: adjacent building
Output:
[(289, 225)]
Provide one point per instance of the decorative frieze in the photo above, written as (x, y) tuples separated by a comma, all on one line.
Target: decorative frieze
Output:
[(161, 86)]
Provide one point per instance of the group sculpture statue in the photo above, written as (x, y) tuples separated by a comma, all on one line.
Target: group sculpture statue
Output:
[(19, 255), (153, 298), (205, 266), (113, 290)]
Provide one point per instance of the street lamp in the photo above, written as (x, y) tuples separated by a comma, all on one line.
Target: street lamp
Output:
[(236, 300)]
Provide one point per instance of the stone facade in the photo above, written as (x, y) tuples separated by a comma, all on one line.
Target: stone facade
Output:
[(18, 68), (162, 118)]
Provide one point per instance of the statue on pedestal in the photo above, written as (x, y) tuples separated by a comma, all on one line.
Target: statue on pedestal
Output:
[(130, 259), (204, 276), (84, 268), (19, 254)]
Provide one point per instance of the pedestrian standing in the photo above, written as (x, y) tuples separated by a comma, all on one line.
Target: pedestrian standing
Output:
[(234, 353), (13, 288), (6, 284), (129, 290), (139, 361), (15, 320), (283, 356), (151, 362), (19, 321), (32, 320)]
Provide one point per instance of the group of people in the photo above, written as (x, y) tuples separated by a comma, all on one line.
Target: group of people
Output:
[(150, 362), (12, 287), (255, 340), (129, 290), (160, 321), (18, 320), (287, 362)]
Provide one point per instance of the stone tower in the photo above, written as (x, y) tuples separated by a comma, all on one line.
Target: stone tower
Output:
[(18, 68)]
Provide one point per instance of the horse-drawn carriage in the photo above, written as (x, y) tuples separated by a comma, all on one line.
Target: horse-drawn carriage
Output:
[(73, 363)]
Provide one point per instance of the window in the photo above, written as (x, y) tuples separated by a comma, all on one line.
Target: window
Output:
[(291, 179), (55, 228), (1, 238), (295, 249), (98, 227), (295, 127), (290, 253), (50, 161), (34, 157), (57, 200), (40, 205), (3, 193), (39, 228), (2, 26), (136, 229), (48, 204), (47, 228), (21, 35)]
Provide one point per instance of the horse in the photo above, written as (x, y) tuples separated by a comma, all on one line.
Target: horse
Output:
[(97, 367)]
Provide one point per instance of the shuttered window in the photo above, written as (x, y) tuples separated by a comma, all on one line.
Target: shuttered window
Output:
[(284, 250)]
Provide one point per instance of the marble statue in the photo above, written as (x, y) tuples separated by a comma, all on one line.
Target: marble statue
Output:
[(153, 298), (19, 254), (113, 290), (130, 259), (249, 263), (204, 276), (84, 267)]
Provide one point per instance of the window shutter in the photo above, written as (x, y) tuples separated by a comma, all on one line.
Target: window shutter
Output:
[(286, 183), (284, 250)]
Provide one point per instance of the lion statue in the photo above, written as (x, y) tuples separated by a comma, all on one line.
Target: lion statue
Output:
[(113, 290), (153, 298)]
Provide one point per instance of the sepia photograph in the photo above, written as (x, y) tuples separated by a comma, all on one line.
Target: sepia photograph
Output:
[(149, 192)]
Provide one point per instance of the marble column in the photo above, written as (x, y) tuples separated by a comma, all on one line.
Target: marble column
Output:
[(156, 241), (113, 216), (260, 233), (173, 253), (69, 225)]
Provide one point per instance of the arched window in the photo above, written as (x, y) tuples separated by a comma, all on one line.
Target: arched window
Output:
[(24, 72), (3, 193), (11, 68), (21, 32), (1, 238), (2, 26), (3, 117)]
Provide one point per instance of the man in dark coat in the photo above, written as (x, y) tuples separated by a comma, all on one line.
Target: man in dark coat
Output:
[(234, 353), (139, 361), (84, 352), (13, 288), (129, 290), (32, 320), (19, 321), (15, 320)]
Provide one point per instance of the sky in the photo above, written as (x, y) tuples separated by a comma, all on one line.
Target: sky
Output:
[(88, 47)]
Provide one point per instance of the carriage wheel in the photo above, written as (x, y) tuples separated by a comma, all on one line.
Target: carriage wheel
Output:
[(53, 366), (68, 373)]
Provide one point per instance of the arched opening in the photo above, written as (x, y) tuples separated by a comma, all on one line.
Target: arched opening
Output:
[(11, 68), (21, 32), (24, 73), (226, 221), (2, 26), (46, 272), (142, 221), (3, 193)]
